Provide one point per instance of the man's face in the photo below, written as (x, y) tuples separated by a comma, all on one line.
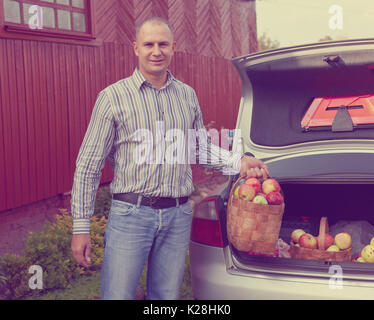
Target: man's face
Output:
[(154, 48)]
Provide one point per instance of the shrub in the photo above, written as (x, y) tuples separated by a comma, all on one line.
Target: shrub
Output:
[(103, 202), (51, 250)]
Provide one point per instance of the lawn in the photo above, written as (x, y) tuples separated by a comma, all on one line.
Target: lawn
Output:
[(88, 288)]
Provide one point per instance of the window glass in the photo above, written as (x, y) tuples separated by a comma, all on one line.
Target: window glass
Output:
[(64, 2), (48, 17), (44, 15), (79, 22), (12, 11), (29, 15), (63, 17), (78, 3)]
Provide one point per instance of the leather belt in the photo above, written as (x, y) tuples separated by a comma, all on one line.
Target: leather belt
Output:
[(153, 202)]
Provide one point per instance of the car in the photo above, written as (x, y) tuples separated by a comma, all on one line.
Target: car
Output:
[(308, 112)]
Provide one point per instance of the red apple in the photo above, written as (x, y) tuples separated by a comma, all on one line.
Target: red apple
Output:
[(296, 234), (270, 185), (343, 240), (260, 199), (255, 183), (274, 197), (329, 241), (308, 241), (246, 192)]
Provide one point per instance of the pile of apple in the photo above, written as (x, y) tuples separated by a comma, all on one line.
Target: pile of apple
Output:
[(341, 241), (367, 253), (267, 192)]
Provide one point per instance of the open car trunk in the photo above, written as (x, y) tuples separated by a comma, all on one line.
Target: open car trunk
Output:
[(324, 171), (279, 87), (348, 207)]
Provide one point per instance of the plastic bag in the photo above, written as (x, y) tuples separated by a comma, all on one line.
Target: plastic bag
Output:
[(283, 249)]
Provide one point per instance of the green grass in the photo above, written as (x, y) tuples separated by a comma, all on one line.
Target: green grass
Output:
[(83, 288), (88, 288)]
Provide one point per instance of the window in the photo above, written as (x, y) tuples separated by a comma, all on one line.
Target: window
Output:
[(59, 18)]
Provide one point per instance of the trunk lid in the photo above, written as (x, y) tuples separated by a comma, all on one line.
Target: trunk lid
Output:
[(278, 89)]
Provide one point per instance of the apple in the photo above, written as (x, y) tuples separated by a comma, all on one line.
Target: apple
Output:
[(270, 185), (329, 240), (296, 234), (255, 183), (360, 259), (260, 199), (333, 248), (246, 192), (236, 192), (308, 241), (372, 241), (343, 240), (367, 253), (274, 197)]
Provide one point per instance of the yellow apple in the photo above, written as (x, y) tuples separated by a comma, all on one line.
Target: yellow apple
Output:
[(296, 234), (360, 259), (236, 192), (333, 248), (372, 241), (343, 240), (367, 253)]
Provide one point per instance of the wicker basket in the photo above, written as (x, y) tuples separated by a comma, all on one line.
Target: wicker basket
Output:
[(253, 227), (321, 253)]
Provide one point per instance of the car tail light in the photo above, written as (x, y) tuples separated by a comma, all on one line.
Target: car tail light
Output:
[(206, 227)]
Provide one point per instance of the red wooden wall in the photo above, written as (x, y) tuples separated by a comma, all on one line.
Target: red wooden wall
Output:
[(47, 89)]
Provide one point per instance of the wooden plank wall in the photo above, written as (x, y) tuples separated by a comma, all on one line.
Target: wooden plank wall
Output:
[(47, 92), (217, 28)]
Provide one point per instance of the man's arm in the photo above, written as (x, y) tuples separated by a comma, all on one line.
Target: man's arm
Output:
[(95, 147)]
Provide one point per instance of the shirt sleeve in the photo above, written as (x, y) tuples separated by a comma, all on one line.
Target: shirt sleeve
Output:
[(209, 154), (96, 145)]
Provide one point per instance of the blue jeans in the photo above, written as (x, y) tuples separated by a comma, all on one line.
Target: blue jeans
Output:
[(135, 233)]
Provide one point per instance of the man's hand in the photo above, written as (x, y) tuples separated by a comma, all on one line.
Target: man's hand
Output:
[(81, 248), (252, 167)]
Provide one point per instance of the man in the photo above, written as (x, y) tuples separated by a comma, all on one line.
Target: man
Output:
[(150, 217)]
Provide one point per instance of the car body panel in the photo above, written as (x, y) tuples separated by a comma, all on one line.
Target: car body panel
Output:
[(213, 279), (343, 158)]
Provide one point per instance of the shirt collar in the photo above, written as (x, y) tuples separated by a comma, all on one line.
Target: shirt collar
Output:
[(139, 79)]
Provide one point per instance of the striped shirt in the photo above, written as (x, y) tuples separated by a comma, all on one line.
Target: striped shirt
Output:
[(149, 137)]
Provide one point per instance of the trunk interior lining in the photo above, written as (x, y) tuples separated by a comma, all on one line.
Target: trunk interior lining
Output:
[(282, 93)]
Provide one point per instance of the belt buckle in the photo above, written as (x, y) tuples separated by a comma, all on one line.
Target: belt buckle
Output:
[(152, 201)]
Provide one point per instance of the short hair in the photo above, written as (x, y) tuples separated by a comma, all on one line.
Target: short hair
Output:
[(157, 20)]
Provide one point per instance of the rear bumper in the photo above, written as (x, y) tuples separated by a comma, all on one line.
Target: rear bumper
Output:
[(211, 280)]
